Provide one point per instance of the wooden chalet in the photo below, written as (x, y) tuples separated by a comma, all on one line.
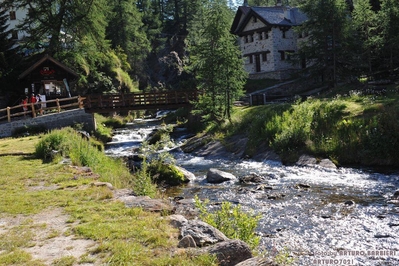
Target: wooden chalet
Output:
[(48, 77)]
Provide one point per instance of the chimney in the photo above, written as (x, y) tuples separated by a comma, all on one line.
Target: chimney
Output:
[(245, 3), (278, 3)]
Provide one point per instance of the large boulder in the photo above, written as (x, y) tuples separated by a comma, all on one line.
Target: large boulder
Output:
[(202, 233), (217, 176), (230, 252)]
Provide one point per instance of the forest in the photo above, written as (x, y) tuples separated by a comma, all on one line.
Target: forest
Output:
[(127, 45)]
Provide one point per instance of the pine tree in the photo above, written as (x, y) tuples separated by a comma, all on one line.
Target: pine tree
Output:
[(126, 30), (330, 48), (216, 62), (6, 43)]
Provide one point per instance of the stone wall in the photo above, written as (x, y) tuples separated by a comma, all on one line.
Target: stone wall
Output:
[(50, 121)]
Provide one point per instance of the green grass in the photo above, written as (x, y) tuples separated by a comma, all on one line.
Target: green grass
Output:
[(344, 125), (124, 236)]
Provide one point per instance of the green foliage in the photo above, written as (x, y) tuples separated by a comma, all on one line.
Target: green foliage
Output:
[(232, 221), (68, 143), (143, 182), (216, 62)]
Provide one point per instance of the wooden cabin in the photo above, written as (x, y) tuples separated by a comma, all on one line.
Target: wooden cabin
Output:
[(48, 77)]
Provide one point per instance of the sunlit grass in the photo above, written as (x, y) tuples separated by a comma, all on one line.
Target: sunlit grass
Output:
[(32, 186)]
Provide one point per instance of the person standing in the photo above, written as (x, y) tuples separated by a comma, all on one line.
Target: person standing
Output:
[(25, 105), (33, 101)]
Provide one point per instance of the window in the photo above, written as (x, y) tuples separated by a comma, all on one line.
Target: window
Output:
[(255, 20), (260, 35), (283, 34), (282, 55), (264, 56), (13, 16), (250, 59), (14, 35)]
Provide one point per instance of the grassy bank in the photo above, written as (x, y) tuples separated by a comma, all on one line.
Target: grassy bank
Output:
[(33, 186), (348, 125)]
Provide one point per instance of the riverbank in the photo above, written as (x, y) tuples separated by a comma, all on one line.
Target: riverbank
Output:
[(349, 125)]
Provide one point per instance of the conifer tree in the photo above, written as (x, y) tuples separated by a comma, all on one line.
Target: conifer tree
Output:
[(216, 62), (330, 47)]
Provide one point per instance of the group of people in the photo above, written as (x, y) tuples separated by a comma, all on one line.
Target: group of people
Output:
[(35, 100)]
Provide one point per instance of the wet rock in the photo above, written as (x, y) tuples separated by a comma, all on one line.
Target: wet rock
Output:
[(301, 186), (188, 176), (257, 261), (349, 203), (307, 160), (395, 195), (275, 196), (382, 236), (327, 163), (187, 242), (217, 176), (251, 178), (195, 143), (230, 252), (263, 187), (202, 233)]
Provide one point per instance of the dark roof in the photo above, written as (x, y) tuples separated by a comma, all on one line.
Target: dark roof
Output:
[(49, 58), (274, 16)]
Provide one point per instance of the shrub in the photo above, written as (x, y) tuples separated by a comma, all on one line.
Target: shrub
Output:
[(231, 221)]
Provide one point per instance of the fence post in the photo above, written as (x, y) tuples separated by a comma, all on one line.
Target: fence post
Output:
[(33, 110), (8, 114), (58, 105)]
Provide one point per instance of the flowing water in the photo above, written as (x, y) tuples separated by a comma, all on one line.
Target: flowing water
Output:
[(321, 216)]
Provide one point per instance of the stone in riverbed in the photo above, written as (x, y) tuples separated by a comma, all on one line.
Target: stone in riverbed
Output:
[(217, 176)]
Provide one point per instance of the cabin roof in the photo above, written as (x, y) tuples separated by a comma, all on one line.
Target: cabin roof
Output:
[(47, 58)]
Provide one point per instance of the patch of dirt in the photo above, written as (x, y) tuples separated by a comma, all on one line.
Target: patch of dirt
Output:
[(53, 240)]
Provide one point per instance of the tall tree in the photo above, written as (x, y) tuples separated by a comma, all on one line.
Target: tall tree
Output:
[(216, 61), (6, 42), (388, 16), (329, 50), (126, 30), (366, 22)]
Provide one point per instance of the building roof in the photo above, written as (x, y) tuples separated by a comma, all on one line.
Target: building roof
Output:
[(273, 16), (45, 58)]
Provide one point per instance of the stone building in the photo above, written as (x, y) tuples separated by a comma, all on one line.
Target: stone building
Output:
[(267, 39)]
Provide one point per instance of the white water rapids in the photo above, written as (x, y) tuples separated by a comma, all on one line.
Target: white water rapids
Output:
[(320, 216)]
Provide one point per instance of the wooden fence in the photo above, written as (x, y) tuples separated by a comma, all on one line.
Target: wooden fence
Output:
[(138, 101), (51, 106)]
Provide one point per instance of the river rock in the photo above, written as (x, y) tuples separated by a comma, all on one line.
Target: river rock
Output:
[(230, 252), (195, 143), (217, 176), (251, 178), (307, 160), (396, 195), (202, 233), (257, 261), (188, 176)]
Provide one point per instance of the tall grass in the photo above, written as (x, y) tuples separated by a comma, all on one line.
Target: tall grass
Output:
[(68, 143), (350, 130)]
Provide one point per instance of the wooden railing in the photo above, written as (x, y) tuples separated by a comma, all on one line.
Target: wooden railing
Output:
[(137, 101), (51, 106)]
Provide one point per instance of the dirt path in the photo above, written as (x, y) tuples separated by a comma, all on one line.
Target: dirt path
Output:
[(53, 238)]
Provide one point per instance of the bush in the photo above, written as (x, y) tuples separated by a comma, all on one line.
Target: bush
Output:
[(231, 221)]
